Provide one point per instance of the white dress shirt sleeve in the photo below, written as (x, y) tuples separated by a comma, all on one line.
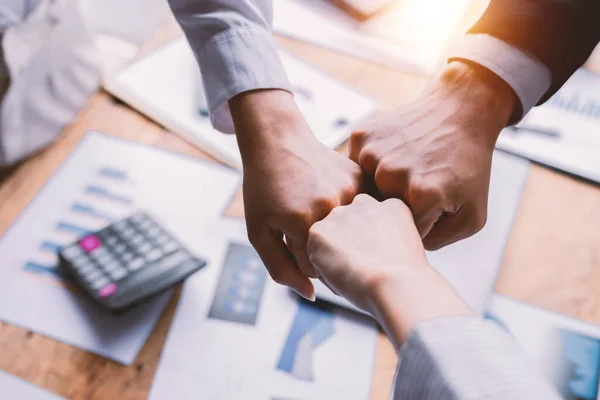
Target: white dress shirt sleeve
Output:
[(466, 358), (233, 44), (526, 75)]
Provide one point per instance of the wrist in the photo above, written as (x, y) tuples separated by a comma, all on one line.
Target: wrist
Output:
[(264, 118), (479, 95), (413, 295)]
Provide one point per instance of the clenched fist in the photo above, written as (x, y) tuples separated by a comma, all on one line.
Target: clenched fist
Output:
[(436, 153), (291, 181)]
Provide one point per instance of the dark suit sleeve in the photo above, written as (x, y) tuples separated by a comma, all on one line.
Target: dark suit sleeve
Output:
[(560, 33)]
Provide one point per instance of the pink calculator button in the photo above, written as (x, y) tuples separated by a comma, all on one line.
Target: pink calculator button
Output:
[(90, 243), (107, 290)]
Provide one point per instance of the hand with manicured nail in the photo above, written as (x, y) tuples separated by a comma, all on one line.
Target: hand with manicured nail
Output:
[(291, 181), (370, 253)]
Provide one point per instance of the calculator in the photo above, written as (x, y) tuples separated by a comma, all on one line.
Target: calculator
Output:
[(128, 262)]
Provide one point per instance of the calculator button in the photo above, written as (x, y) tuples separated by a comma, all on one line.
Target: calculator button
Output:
[(99, 283), (118, 274), (146, 224), (136, 264), (84, 267), (145, 247), (72, 252), (154, 255), (92, 275), (137, 240), (128, 232), (107, 290), (111, 240), (154, 231), (120, 248), (170, 246), (102, 257), (111, 266), (162, 239), (90, 243), (128, 257)]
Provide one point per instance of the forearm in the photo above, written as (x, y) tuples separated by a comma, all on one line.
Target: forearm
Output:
[(264, 117), (413, 296), (445, 350)]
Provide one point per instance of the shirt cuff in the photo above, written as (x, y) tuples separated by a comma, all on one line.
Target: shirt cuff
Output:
[(526, 75), (466, 358), (235, 61)]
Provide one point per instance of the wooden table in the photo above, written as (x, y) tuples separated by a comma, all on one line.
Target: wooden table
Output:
[(552, 259)]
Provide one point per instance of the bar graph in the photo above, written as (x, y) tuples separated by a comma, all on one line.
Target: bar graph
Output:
[(105, 199), (312, 325), (239, 291)]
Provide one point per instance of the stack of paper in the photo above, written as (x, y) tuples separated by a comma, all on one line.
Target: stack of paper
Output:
[(563, 133)]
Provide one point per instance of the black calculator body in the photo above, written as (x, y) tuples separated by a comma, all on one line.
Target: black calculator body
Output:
[(128, 262)]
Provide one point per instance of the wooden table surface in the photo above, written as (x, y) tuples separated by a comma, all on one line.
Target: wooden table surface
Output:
[(552, 258)]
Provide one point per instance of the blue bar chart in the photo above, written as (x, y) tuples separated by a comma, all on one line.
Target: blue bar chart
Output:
[(313, 325), (107, 198), (239, 291)]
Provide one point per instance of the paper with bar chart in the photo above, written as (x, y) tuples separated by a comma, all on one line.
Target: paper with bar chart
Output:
[(564, 349), (105, 179), (237, 334)]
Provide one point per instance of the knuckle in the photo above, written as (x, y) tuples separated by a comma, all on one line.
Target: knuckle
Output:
[(298, 215), (369, 155), (325, 202), (421, 189)]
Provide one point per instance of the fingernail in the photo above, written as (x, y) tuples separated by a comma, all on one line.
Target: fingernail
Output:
[(312, 297)]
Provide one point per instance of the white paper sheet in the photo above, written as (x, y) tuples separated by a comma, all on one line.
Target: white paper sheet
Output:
[(566, 350), (214, 352), (167, 87), (471, 265), (104, 179), (573, 114), (14, 388), (412, 35)]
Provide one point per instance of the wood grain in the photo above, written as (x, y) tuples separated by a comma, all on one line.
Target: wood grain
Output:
[(552, 259)]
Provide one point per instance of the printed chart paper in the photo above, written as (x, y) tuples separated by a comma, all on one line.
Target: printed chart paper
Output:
[(105, 179), (166, 86), (238, 335), (563, 133), (471, 265), (566, 350), (14, 388)]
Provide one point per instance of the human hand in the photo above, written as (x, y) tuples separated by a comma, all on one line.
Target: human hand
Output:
[(356, 247), (291, 181), (436, 153), (370, 253)]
